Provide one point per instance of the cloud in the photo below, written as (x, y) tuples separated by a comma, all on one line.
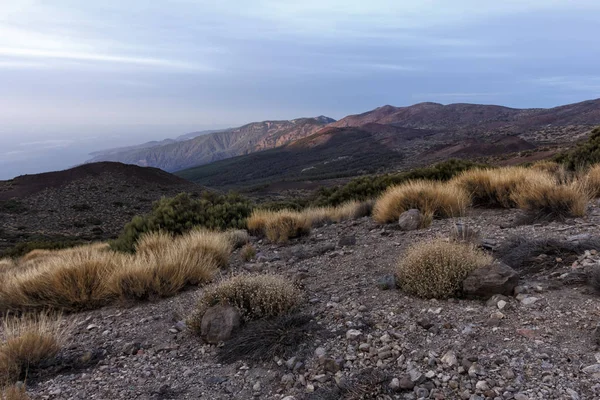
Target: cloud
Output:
[(576, 83), (48, 144)]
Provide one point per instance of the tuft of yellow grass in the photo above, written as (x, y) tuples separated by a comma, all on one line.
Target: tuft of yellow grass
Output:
[(237, 237), (91, 276), (592, 180), (432, 198), (544, 198), (494, 187), (436, 269), (27, 342), (346, 211), (255, 296), (248, 252), (13, 392)]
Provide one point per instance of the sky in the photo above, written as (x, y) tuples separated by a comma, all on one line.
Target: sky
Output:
[(78, 76)]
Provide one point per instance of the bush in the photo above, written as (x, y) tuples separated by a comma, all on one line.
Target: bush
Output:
[(248, 252), (592, 181), (163, 266), (436, 269), (433, 199), (13, 392), (544, 199), (12, 206), (265, 339), (279, 226), (494, 187), (71, 279), (47, 243), (583, 155), (237, 237), (369, 187), (182, 213), (27, 342), (255, 296)]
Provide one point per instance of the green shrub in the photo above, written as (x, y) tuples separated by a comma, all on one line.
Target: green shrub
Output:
[(368, 187), (12, 206), (583, 155), (20, 249), (181, 213)]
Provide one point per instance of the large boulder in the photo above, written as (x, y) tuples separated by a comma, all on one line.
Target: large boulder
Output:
[(410, 220), (219, 322), (496, 278)]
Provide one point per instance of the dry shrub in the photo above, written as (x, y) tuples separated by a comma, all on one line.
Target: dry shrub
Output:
[(257, 222), (432, 198), (265, 339), (545, 199), (237, 237), (28, 341), (255, 296), (170, 264), (495, 187), (71, 280), (592, 180), (248, 252), (7, 264), (436, 269), (349, 210), (13, 392), (284, 225)]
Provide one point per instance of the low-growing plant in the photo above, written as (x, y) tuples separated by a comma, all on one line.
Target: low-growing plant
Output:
[(495, 187), (13, 392), (583, 155), (47, 243), (544, 199), (27, 342), (592, 180), (436, 269), (13, 206), (248, 252), (263, 340), (237, 237), (255, 296), (182, 213), (433, 199)]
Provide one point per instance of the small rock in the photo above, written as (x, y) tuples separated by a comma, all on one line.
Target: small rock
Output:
[(347, 240), (387, 282), (521, 396), (91, 327), (395, 384), (449, 359), (406, 382), (219, 322), (410, 220), (496, 278), (353, 334), (424, 323), (527, 301), (482, 385)]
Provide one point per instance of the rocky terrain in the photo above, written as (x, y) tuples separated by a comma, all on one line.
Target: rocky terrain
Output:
[(217, 145), (92, 201), (367, 338)]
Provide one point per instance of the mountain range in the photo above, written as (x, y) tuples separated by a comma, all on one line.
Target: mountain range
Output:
[(385, 138)]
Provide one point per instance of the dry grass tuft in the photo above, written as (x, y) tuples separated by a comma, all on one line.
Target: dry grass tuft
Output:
[(350, 210), (255, 296), (284, 225), (592, 181), (13, 392), (237, 237), (27, 342), (88, 277), (432, 198), (545, 199), (495, 187), (265, 339), (436, 269), (248, 252)]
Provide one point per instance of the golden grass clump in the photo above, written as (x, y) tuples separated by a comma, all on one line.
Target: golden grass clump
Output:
[(73, 280), (27, 342), (592, 180), (13, 392), (163, 266), (248, 252), (279, 226), (545, 199), (257, 221), (237, 237), (433, 199), (7, 264), (255, 296), (494, 187), (346, 211), (436, 269)]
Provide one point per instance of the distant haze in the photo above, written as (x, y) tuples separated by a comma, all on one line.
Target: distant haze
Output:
[(79, 76)]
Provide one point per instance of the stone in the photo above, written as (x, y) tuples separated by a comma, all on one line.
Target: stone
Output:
[(347, 240), (482, 385), (218, 323), (449, 359), (410, 220), (424, 323), (387, 282), (91, 327), (353, 334), (406, 383), (395, 384), (331, 365), (592, 369), (521, 396), (496, 278), (527, 301)]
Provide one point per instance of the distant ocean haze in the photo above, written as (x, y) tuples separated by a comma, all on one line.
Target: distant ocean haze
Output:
[(27, 150)]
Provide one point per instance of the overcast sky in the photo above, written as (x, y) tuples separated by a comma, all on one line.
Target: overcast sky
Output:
[(80, 75)]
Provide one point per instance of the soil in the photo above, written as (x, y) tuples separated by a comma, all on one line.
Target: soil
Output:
[(386, 344)]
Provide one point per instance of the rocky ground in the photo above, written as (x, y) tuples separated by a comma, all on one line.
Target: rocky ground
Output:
[(540, 344)]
